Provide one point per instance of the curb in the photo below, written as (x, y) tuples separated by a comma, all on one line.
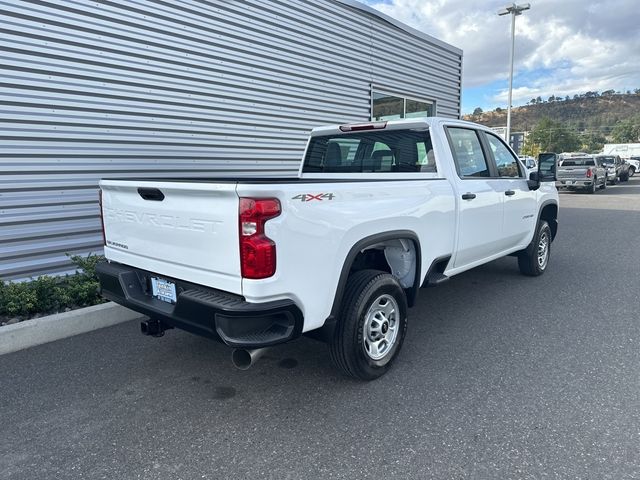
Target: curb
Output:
[(37, 331)]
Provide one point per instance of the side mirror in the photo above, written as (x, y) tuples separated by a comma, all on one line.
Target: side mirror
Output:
[(547, 167), (533, 182)]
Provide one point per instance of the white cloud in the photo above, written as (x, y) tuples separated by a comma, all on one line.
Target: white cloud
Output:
[(580, 45)]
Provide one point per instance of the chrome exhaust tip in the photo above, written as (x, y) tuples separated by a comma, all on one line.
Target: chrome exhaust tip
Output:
[(243, 359)]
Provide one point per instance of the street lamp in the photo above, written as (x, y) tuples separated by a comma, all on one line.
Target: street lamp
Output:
[(514, 10)]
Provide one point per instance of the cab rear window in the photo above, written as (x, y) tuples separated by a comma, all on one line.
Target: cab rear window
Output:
[(393, 151)]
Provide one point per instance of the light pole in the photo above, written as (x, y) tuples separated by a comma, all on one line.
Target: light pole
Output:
[(514, 10)]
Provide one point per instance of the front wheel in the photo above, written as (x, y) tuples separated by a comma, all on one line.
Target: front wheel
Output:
[(534, 260), (372, 325)]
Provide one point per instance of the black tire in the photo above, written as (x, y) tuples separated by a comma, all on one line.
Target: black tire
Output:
[(591, 189), (528, 259), (615, 180), (347, 348), (632, 172), (624, 177), (604, 184)]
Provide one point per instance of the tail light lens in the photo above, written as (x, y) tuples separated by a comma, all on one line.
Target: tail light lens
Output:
[(257, 251), (104, 236), (589, 173)]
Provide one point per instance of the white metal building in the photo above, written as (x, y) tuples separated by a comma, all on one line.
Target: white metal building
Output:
[(157, 88)]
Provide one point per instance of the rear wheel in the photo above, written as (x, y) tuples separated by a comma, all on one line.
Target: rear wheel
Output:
[(632, 171), (372, 325), (592, 188), (534, 260)]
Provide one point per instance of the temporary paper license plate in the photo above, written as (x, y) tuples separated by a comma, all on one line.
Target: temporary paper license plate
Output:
[(569, 182), (163, 289)]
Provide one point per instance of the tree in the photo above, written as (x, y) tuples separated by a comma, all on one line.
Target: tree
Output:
[(552, 98), (498, 110), (593, 142), (552, 136), (539, 100), (567, 98), (533, 101), (608, 93), (627, 131), (530, 148), (478, 111)]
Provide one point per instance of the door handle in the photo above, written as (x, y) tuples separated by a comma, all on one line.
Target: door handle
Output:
[(468, 196), (508, 193)]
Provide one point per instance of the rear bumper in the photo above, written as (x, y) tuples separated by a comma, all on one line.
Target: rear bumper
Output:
[(574, 182), (203, 311)]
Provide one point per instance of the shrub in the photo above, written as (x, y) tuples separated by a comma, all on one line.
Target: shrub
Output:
[(48, 294)]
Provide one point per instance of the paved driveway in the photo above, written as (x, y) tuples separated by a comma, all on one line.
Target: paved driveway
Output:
[(501, 376)]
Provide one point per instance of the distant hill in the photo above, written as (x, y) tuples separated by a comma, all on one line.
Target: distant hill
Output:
[(588, 113)]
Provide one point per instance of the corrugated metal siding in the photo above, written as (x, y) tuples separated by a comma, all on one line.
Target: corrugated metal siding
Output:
[(156, 88)]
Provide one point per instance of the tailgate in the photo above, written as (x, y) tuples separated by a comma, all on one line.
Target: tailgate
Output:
[(183, 230), (577, 172)]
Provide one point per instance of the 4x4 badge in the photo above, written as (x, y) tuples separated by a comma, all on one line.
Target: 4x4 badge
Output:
[(309, 197)]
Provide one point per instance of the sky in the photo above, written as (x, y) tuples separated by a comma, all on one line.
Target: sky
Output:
[(563, 47)]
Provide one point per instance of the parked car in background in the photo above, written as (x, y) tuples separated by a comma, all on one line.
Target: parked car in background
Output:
[(529, 162), (617, 170), (634, 165), (582, 173)]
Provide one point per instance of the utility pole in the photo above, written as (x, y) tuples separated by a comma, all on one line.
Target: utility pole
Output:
[(514, 10)]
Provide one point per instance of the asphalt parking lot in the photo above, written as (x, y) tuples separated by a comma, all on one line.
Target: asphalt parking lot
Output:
[(501, 376)]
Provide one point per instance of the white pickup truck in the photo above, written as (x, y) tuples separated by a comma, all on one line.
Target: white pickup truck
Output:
[(378, 211)]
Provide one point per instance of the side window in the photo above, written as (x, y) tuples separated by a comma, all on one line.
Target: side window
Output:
[(506, 163), (467, 152)]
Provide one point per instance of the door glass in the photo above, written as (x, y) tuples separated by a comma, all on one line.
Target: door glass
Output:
[(467, 152), (505, 161)]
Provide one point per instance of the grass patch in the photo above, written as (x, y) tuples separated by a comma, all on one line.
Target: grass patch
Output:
[(46, 295)]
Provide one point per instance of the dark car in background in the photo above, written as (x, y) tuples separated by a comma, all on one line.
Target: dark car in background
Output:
[(617, 169)]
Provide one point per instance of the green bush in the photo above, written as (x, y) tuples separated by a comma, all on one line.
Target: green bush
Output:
[(48, 294)]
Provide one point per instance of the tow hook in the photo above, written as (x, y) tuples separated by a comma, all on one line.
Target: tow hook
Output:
[(153, 327)]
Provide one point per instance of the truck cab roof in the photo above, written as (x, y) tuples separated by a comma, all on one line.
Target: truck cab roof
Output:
[(406, 123)]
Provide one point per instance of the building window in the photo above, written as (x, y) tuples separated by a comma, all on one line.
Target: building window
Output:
[(393, 107)]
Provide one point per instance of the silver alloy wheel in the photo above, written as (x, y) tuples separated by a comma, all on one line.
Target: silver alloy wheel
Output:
[(381, 327), (543, 250)]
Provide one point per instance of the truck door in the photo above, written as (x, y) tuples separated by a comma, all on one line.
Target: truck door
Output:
[(520, 203), (480, 199)]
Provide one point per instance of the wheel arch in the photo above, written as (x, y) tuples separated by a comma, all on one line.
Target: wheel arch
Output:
[(378, 239), (549, 212)]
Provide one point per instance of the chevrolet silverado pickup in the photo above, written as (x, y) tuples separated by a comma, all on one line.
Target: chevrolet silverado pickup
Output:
[(582, 173), (339, 253)]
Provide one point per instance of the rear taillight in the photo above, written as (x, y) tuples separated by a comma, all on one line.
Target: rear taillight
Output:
[(104, 236), (589, 173), (257, 251)]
